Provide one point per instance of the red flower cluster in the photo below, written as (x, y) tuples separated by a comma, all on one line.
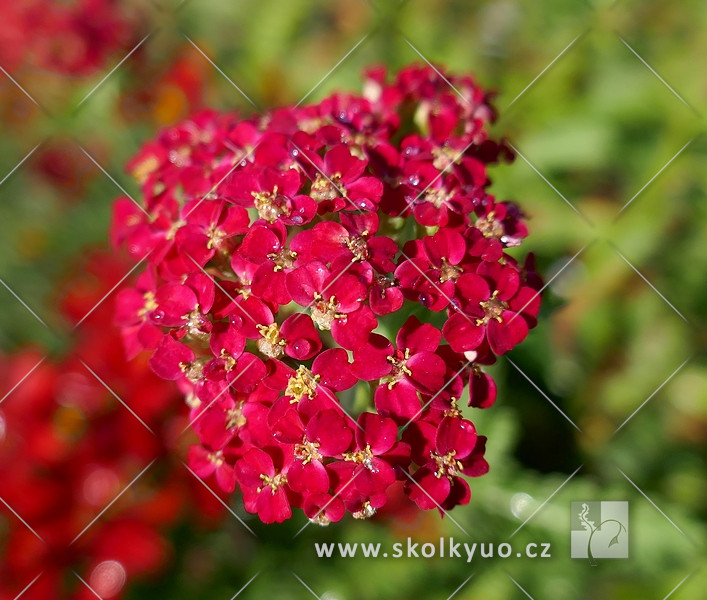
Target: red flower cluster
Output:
[(71, 38), (283, 250), (69, 449)]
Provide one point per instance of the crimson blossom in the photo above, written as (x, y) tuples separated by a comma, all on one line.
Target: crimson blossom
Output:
[(324, 283)]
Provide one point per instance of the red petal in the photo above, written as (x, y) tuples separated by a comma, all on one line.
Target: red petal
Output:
[(380, 433)]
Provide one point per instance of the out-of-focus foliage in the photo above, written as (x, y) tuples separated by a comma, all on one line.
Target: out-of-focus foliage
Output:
[(597, 124)]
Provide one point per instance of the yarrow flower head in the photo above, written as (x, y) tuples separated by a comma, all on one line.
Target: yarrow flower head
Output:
[(325, 283)]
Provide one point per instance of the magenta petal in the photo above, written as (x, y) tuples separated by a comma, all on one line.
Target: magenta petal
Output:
[(505, 335), (417, 336), (306, 281), (370, 361), (428, 371), (472, 289), (311, 478), (255, 462), (459, 494), (171, 358), (352, 331), (273, 506), (380, 433), (457, 435), (333, 367), (526, 301), (204, 288), (428, 491), (303, 341), (399, 402), (475, 464), (507, 283), (331, 431), (420, 436), (330, 507), (174, 303), (482, 389), (303, 210), (463, 333), (258, 243), (129, 303), (445, 244), (348, 291), (200, 462), (248, 373), (226, 478), (385, 300), (226, 339), (376, 477)]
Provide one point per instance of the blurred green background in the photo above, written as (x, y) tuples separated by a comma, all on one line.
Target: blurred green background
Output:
[(597, 124)]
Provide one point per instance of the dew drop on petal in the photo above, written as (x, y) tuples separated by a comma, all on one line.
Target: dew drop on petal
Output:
[(414, 179), (107, 578), (157, 315), (297, 220)]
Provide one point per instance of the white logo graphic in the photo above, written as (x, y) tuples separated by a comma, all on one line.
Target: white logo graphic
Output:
[(599, 530)]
